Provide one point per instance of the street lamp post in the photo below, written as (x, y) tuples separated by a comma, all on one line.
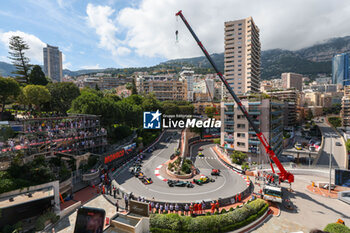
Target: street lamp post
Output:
[(330, 165)]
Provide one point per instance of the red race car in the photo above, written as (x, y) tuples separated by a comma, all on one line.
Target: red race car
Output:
[(215, 172)]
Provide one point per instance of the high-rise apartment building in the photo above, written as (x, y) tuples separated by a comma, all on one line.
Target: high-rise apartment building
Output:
[(341, 69), (53, 63), (242, 55), (292, 80)]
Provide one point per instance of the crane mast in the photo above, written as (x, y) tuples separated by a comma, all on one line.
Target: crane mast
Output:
[(283, 174)]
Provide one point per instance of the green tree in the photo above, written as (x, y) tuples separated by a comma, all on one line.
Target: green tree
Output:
[(335, 121), (90, 103), (62, 95), (17, 54), (133, 90), (309, 115), (36, 95), (37, 76), (169, 108), (347, 144), (238, 157), (150, 103), (9, 88), (210, 111)]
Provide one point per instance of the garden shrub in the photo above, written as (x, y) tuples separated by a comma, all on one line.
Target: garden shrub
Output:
[(223, 211), (231, 209), (337, 228), (173, 223)]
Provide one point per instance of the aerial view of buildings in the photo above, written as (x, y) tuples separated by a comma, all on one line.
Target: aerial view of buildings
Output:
[(154, 116)]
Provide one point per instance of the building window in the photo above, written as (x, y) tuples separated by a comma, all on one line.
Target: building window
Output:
[(240, 135), (239, 38), (240, 24), (240, 33), (240, 144), (239, 65), (239, 87), (240, 126)]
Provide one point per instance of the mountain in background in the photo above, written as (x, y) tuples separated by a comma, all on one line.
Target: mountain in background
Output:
[(310, 61)]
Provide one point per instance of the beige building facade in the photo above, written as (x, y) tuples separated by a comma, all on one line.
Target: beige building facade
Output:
[(242, 56), (164, 87), (292, 80)]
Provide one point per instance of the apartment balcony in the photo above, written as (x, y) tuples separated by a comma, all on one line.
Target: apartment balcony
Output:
[(229, 130), (254, 103), (276, 112), (229, 104), (229, 112), (229, 122), (276, 121), (254, 142), (228, 139), (254, 112)]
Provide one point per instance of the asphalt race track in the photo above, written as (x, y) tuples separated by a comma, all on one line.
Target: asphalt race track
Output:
[(225, 185)]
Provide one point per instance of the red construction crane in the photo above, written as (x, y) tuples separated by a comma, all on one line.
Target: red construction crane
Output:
[(283, 174)]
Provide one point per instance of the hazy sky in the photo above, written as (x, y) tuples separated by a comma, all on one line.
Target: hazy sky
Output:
[(133, 33)]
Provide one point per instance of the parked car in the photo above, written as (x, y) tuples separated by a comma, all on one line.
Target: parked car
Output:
[(338, 144), (200, 148), (326, 186)]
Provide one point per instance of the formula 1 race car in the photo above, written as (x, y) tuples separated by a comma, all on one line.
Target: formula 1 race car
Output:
[(180, 183), (146, 180), (135, 169), (203, 180), (139, 174), (200, 154), (215, 172)]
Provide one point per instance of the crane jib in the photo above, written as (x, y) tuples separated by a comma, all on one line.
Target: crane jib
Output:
[(284, 175)]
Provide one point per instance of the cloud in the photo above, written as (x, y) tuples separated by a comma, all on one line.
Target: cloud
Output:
[(67, 65), (100, 18), (123, 51), (289, 24), (35, 52), (92, 67)]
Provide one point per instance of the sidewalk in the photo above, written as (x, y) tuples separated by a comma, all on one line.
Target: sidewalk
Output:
[(84, 195), (322, 192)]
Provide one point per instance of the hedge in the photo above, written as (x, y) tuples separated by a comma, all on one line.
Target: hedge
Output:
[(173, 223), (337, 228)]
